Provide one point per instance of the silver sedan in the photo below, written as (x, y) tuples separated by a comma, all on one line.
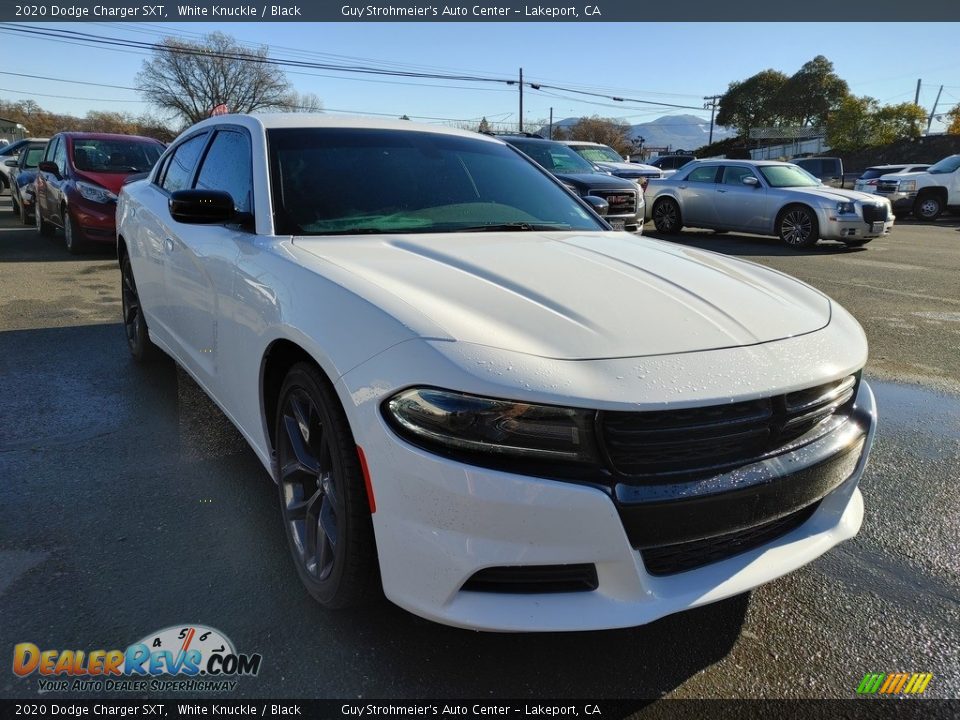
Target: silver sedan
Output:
[(765, 198)]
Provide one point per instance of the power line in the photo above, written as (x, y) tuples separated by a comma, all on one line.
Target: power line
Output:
[(69, 97)]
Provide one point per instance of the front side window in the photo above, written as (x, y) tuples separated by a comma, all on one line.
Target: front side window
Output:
[(60, 155), (330, 181), (734, 174), (51, 148), (227, 167), (179, 172), (31, 157), (554, 157), (115, 156)]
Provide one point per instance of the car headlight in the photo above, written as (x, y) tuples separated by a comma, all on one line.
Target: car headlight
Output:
[(846, 208), (907, 186), (95, 193), (487, 430)]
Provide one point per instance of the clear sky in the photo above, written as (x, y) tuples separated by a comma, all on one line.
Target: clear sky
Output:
[(675, 63)]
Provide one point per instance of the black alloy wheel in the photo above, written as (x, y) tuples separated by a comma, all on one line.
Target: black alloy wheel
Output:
[(138, 339), (323, 498), (798, 227), (666, 216)]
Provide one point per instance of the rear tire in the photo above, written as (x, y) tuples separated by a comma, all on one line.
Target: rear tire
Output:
[(666, 216), (798, 226), (141, 347)]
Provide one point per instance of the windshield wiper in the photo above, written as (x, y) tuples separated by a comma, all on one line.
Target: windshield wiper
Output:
[(513, 227)]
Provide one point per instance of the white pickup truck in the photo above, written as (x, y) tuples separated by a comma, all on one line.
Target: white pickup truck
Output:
[(925, 194)]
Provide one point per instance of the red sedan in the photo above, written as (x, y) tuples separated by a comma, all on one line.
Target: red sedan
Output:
[(78, 181)]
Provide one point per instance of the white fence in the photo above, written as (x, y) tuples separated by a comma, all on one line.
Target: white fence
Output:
[(775, 152)]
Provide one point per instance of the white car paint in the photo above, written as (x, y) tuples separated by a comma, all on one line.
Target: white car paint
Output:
[(597, 320)]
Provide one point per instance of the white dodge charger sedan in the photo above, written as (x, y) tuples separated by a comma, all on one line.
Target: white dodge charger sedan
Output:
[(473, 393)]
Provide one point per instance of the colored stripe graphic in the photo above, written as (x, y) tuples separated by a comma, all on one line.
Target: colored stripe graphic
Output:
[(894, 683)]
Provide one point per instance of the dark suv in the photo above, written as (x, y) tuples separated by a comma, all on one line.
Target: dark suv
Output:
[(670, 162), (583, 178)]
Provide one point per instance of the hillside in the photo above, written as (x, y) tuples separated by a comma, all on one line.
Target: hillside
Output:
[(678, 132)]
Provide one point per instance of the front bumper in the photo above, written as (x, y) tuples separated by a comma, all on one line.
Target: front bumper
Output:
[(94, 222), (901, 201), (850, 227), (440, 521)]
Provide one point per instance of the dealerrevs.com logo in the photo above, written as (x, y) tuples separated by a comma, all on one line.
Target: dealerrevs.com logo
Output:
[(188, 658)]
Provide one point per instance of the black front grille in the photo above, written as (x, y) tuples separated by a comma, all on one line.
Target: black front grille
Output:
[(874, 213), (621, 202), (887, 186), (700, 441), (672, 559), (534, 579)]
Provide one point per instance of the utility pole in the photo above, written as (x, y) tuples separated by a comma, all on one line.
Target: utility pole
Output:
[(934, 111), (710, 103), (551, 124), (916, 98), (521, 100)]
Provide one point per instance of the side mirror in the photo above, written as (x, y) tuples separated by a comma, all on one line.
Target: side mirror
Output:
[(750, 180), (48, 166), (202, 207), (12, 162), (600, 206)]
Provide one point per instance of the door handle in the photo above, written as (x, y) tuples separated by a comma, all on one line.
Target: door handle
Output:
[(168, 245)]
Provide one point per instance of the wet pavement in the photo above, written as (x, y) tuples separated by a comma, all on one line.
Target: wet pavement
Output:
[(128, 503)]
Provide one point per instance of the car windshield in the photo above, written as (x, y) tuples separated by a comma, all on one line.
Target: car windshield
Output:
[(783, 176), (32, 156), (597, 154), (341, 181), (871, 173), (555, 157), (947, 165), (115, 156)]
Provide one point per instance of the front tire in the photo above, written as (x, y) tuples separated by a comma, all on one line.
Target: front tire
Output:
[(141, 347), (43, 227), (666, 216), (73, 242), (323, 500), (927, 207), (798, 226)]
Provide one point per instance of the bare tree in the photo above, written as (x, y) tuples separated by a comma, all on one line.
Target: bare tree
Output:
[(303, 102), (189, 79)]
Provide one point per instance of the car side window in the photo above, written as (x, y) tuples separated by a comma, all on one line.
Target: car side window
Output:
[(227, 167), (51, 149), (180, 167), (60, 155), (734, 174), (706, 174), (161, 169)]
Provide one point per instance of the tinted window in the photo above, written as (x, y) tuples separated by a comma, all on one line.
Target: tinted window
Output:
[(871, 173), (330, 181), (51, 149), (227, 167), (30, 158), (554, 157), (180, 168), (814, 167), (947, 165), (706, 174), (734, 174)]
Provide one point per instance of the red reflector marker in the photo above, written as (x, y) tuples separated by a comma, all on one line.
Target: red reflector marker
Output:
[(366, 479)]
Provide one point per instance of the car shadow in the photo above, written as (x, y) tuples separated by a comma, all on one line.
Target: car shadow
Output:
[(751, 245), (160, 502)]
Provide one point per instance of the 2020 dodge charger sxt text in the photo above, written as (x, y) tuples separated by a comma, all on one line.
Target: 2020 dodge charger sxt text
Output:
[(454, 371)]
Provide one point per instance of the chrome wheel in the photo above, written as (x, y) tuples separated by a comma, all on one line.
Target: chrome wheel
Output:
[(798, 227), (69, 237), (666, 216), (928, 208)]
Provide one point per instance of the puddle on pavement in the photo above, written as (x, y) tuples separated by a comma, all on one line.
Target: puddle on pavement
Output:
[(913, 408)]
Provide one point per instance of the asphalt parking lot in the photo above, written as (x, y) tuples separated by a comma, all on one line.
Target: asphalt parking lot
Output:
[(128, 504)]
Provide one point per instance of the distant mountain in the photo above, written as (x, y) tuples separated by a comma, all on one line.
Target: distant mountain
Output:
[(678, 132)]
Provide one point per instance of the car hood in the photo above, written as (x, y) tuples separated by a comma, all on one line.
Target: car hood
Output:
[(629, 168), (904, 176), (834, 194), (111, 181), (598, 181), (575, 295)]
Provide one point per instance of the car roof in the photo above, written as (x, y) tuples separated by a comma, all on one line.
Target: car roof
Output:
[(270, 121), (106, 136)]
